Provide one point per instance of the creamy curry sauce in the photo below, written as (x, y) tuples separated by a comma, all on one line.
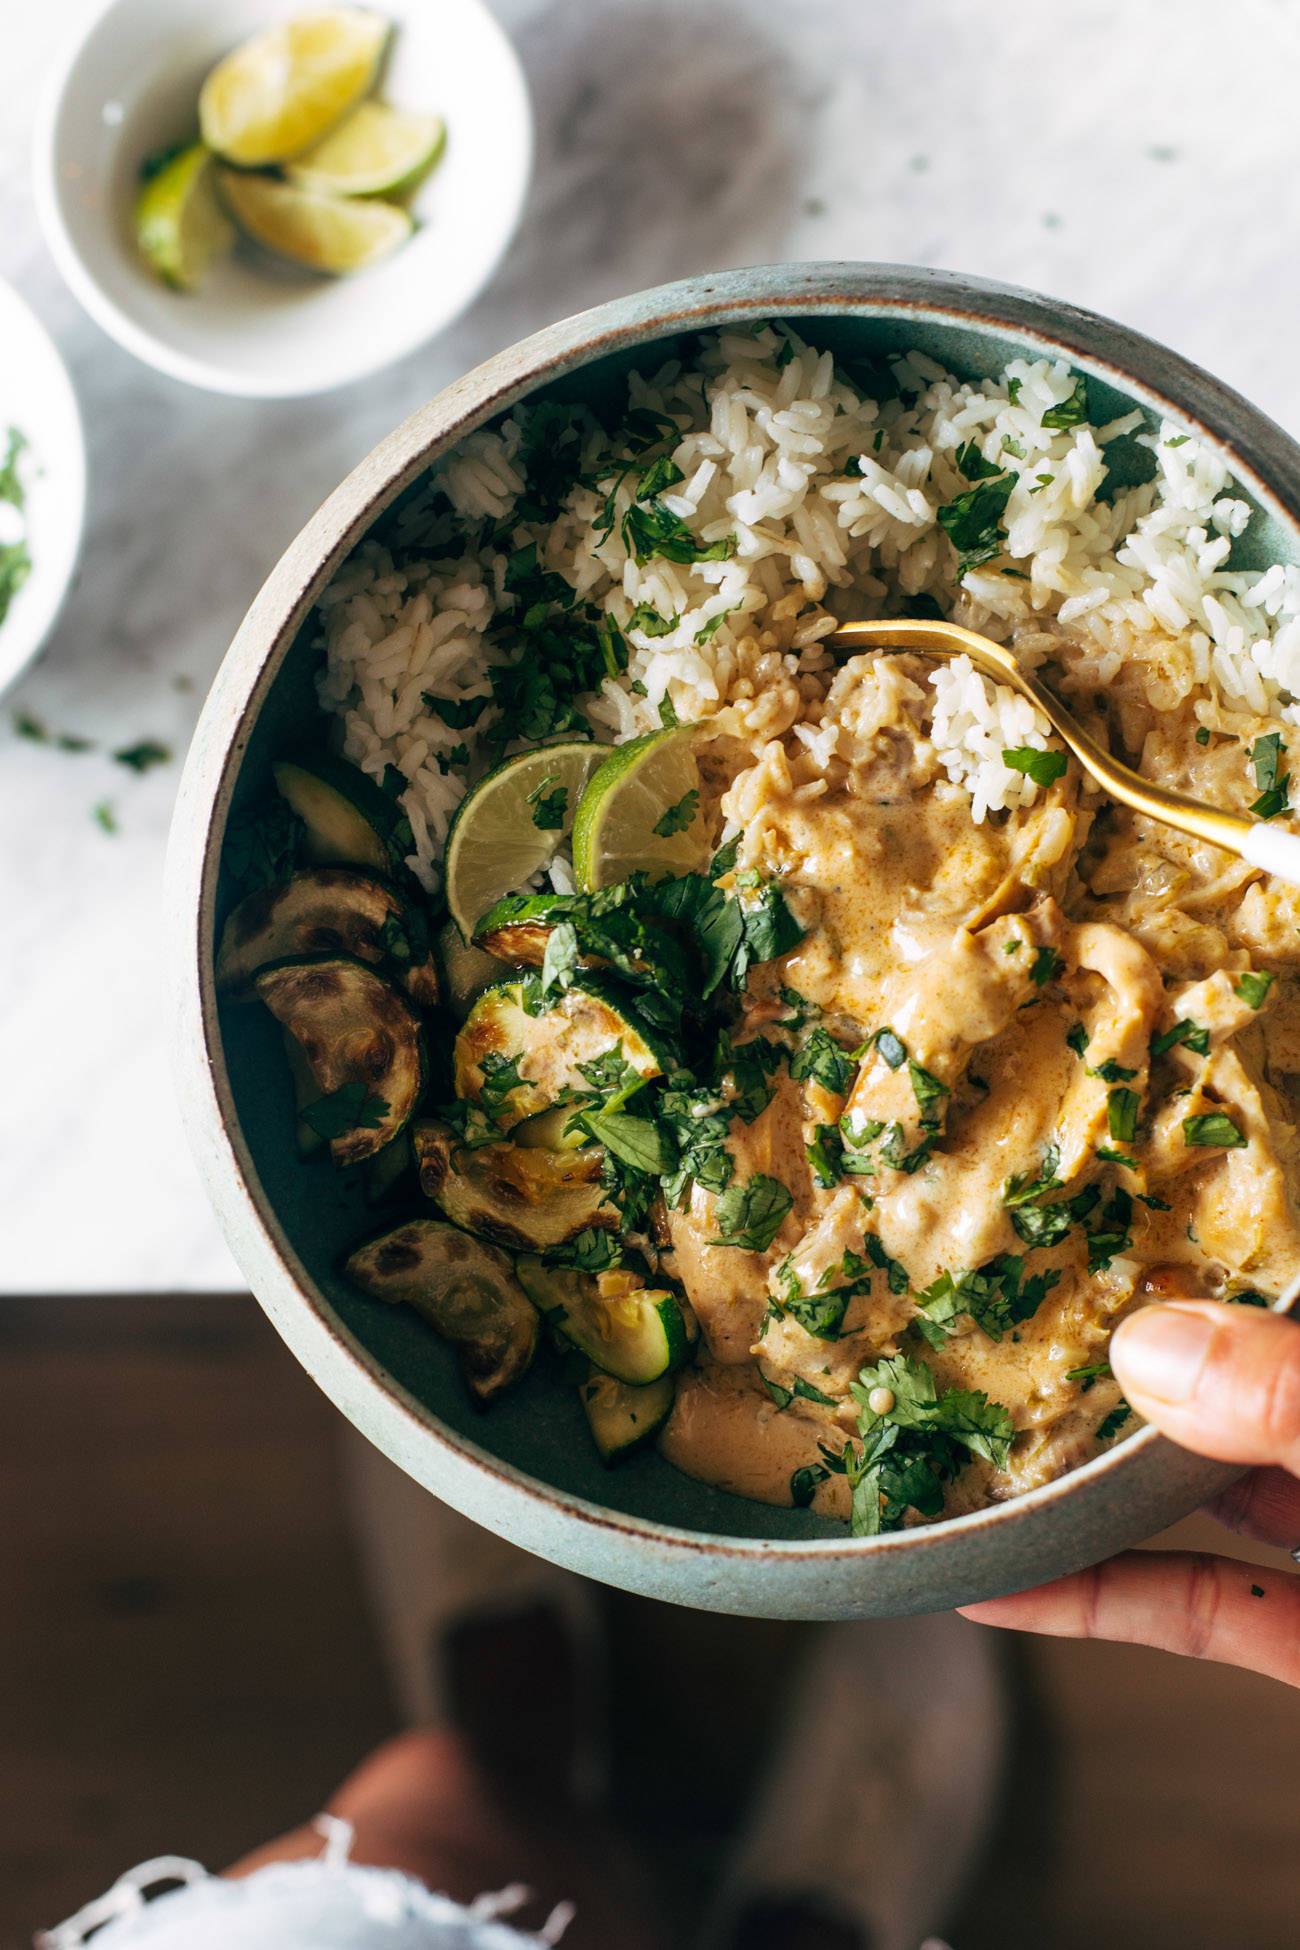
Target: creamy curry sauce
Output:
[(1027, 966)]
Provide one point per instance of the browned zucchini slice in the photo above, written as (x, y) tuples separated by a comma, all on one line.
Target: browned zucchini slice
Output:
[(464, 1289), (528, 1199), (327, 911), (363, 1043)]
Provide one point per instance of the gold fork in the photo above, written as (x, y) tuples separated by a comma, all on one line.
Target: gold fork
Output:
[(1253, 840)]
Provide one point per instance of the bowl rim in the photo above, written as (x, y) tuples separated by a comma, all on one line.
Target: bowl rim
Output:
[(151, 348), (72, 468), (1260, 454)]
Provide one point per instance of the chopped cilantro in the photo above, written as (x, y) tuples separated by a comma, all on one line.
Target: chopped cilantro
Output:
[(1252, 988), (825, 1155), (659, 475), (1194, 1034), (972, 463), (1266, 755), (750, 1215), (549, 802), (1110, 1071), (560, 961), (1122, 1114), (1213, 1129), (821, 1058), (500, 1077), (803, 1484), (1046, 966), (1113, 1423), (650, 530), (1070, 412), (1040, 766), (635, 1141), (668, 717), (1087, 1375), (973, 521), (262, 846), (591, 1252), (646, 618), (908, 1454), (1108, 1155), (457, 713), (144, 756), (927, 1089), (104, 817), (715, 622), (677, 818), (1203, 734), (895, 1274), (1020, 1189), (1077, 1038)]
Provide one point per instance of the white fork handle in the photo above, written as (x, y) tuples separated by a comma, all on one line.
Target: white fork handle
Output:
[(1273, 849)]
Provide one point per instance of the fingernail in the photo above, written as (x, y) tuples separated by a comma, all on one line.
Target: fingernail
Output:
[(1162, 1351)]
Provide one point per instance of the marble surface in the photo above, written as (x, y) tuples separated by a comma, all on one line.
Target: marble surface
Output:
[(1140, 160)]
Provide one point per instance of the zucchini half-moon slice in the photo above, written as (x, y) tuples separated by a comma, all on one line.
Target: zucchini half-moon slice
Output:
[(630, 1330), (623, 1419), (464, 1289), (528, 1199), (348, 820), (327, 911), (547, 1050), (362, 1041)]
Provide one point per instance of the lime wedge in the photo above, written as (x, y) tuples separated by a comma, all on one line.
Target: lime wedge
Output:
[(638, 814), (501, 835), (324, 233), (282, 90), (375, 152), (179, 224)]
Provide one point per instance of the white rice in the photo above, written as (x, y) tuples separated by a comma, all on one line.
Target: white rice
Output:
[(833, 500)]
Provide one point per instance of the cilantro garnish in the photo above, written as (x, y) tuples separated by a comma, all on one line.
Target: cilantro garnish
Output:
[(820, 1314), (591, 1252), (1077, 1038), (1213, 1129), (825, 1155), (995, 1297), (1122, 1114), (677, 818), (1112, 1072), (821, 1058), (560, 961), (1112, 1236), (1112, 1424), (457, 713), (972, 464), (646, 618), (1087, 1375), (973, 521), (1020, 1189), (144, 756), (549, 801), (1070, 412), (500, 1077), (262, 846), (1110, 1156), (635, 1141), (927, 1089), (715, 622), (1045, 967), (1266, 755), (1194, 1034), (895, 1273), (908, 1454), (1042, 767), (1047, 1225), (650, 529), (803, 1484), (1252, 988), (750, 1215), (349, 1108), (659, 475), (104, 816)]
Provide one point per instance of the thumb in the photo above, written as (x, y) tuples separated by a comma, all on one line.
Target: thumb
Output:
[(1219, 1379)]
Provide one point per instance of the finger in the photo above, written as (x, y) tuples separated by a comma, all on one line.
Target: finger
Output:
[(1180, 1601), (1264, 1505), (1224, 1381)]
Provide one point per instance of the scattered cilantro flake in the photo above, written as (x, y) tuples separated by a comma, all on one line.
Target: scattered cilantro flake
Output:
[(262, 846), (821, 1058), (1112, 1072), (1093, 1371), (927, 1089), (659, 475), (1108, 1155), (667, 712), (1203, 734), (895, 1274), (560, 961), (707, 630), (549, 802), (1046, 966), (1071, 412), (500, 1077), (634, 1141), (677, 818), (1077, 1038), (1114, 1422), (1194, 1034), (1213, 1129), (1122, 1113), (650, 530), (457, 713), (1020, 1189), (1266, 755), (825, 1155), (1252, 988), (972, 464), (144, 756), (104, 816), (973, 521), (803, 1484), (750, 1215), (646, 618), (452, 760), (781, 1396), (592, 1251), (1042, 767)]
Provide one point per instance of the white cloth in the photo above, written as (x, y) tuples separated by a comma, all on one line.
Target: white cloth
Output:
[(325, 1904)]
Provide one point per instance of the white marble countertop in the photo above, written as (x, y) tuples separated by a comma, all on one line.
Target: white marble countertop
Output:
[(1138, 159)]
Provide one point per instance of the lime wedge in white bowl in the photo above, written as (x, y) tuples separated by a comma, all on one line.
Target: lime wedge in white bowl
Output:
[(641, 812), (322, 233), (180, 225), (375, 151), (281, 90), (512, 824)]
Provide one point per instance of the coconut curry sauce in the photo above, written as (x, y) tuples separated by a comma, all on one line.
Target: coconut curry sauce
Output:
[(1033, 1072)]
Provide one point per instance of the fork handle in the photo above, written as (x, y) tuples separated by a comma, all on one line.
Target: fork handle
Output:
[(1276, 851)]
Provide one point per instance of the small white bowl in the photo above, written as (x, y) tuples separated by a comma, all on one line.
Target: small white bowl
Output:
[(36, 396), (129, 87)]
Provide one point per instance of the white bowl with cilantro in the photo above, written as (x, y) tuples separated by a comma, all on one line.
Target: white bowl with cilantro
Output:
[(234, 306), (42, 484)]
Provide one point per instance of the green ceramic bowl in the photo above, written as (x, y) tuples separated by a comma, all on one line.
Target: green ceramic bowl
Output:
[(527, 1469)]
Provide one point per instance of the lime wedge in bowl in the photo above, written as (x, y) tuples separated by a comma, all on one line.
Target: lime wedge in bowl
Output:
[(322, 233), (376, 151), (512, 824), (641, 812), (278, 93), (180, 226)]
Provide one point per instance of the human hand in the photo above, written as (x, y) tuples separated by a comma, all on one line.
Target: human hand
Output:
[(1224, 1381)]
